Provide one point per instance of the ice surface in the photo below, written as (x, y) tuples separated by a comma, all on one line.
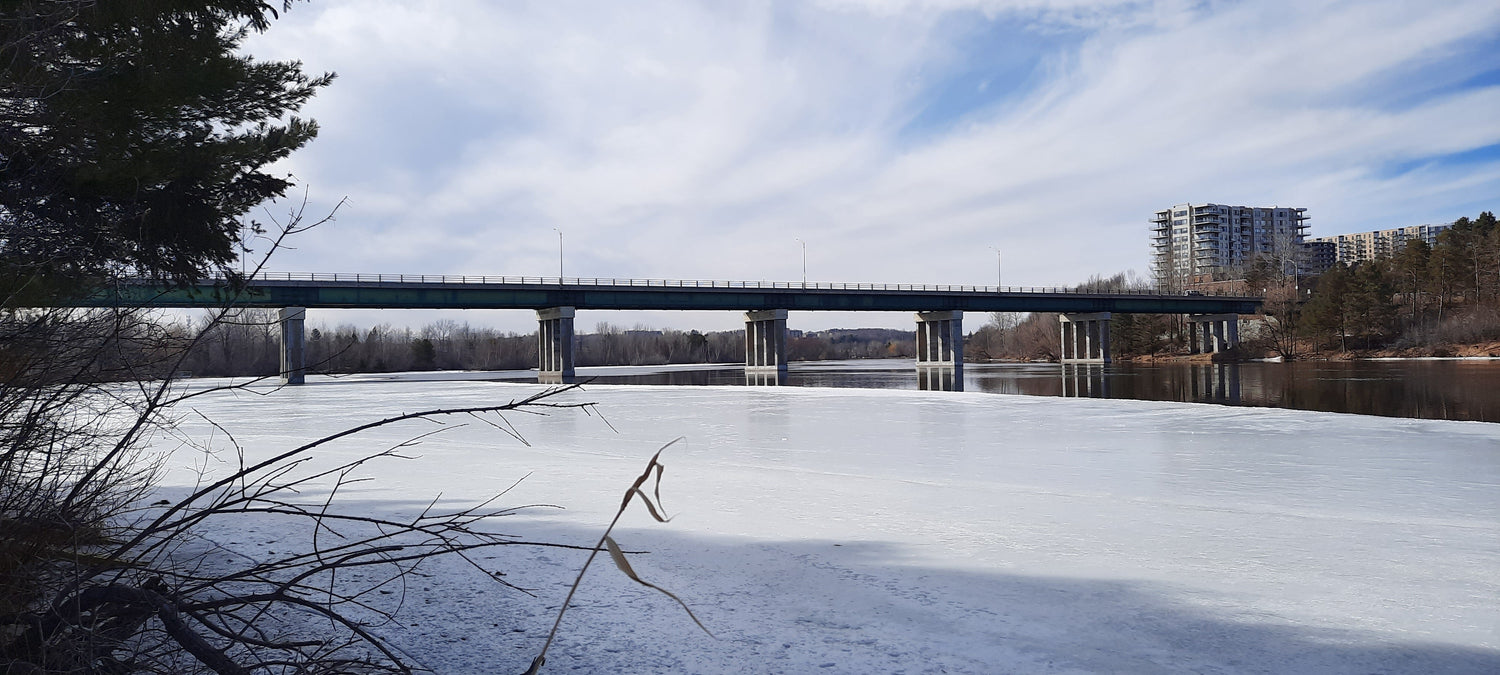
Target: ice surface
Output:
[(870, 531)]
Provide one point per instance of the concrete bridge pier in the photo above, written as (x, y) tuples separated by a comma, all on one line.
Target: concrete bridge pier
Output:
[(940, 351), (765, 347), (1085, 338), (554, 337), (1213, 333), (293, 345)]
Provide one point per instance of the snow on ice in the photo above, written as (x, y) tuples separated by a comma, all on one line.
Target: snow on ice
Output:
[(876, 531)]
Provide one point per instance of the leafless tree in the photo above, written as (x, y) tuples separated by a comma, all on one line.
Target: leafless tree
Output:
[(93, 580), (1281, 326)]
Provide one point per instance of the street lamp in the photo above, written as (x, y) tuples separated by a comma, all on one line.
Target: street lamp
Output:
[(559, 254), (998, 265), (804, 261)]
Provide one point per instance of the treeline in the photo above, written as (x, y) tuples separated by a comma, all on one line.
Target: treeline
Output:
[(248, 344), (855, 343), (1423, 296), (1036, 336)]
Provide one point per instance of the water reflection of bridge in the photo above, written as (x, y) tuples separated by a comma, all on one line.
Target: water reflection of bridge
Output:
[(1172, 381), (1206, 383)]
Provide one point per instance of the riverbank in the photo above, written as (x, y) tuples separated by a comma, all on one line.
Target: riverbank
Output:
[(1476, 350), (1479, 350)]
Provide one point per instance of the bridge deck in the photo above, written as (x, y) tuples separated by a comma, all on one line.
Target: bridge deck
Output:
[(364, 291)]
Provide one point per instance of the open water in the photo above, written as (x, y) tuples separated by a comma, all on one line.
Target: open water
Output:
[(1454, 389)]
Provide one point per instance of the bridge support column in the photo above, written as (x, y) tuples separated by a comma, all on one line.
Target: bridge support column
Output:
[(765, 346), (554, 336), (1085, 338), (293, 345), (940, 351), (1213, 333)]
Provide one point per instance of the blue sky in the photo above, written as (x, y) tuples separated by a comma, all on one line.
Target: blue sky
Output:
[(903, 141)]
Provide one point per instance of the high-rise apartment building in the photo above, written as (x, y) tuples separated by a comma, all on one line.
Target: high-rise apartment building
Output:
[(1192, 242), (1318, 256), (1365, 246)]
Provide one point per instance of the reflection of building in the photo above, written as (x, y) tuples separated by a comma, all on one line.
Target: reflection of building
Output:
[(1204, 239), (1365, 246)]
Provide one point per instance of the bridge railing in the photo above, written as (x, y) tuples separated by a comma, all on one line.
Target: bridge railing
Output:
[(696, 283)]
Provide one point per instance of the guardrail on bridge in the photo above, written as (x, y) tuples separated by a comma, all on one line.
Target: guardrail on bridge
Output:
[(695, 283)]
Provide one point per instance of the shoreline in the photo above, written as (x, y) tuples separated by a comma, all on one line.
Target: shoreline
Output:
[(1479, 351)]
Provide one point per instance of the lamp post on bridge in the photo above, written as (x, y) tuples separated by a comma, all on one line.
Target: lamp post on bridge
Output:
[(998, 266), (804, 261), (559, 254)]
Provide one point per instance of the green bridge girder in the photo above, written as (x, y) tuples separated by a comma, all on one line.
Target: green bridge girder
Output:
[(339, 294)]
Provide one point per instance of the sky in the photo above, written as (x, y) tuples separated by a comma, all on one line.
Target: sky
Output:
[(894, 141)]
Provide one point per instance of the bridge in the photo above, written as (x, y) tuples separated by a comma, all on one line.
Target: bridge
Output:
[(939, 310)]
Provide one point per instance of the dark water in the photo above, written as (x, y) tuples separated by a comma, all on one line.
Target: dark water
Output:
[(1432, 389)]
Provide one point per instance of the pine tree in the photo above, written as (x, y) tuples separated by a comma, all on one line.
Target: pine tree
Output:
[(1445, 268), (1370, 308), (133, 138), (1411, 265), (1484, 255), (1325, 317)]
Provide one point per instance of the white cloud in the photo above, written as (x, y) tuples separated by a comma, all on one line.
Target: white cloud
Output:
[(675, 139)]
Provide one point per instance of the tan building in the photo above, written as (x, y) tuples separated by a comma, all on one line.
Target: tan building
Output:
[(1365, 246)]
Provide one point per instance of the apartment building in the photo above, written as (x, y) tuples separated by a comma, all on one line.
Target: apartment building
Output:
[(1200, 241), (1318, 256), (1364, 246)]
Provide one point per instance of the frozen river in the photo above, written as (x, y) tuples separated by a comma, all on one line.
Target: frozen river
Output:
[(883, 531)]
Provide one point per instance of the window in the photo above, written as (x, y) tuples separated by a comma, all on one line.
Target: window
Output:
[(1178, 213)]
